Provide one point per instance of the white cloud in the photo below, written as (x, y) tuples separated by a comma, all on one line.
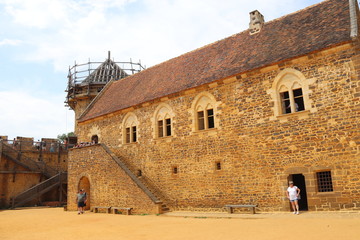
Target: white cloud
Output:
[(25, 115), (153, 30), (12, 42), (53, 34)]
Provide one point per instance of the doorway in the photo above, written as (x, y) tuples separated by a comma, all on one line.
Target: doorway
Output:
[(299, 181), (95, 139), (84, 183)]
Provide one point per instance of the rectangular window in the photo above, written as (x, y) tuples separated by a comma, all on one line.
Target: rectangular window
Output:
[(299, 100), (160, 128), (324, 181), (218, 165), (127, 140), (201, 120), (210, 116), (175, 170), (134, 137), (168, 127), (285, 100)]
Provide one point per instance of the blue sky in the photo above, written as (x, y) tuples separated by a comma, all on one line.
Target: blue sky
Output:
[(40, 39)]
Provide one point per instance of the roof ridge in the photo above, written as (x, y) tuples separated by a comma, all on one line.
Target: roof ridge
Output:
[(233, 35), (298, 11), (231, 55)]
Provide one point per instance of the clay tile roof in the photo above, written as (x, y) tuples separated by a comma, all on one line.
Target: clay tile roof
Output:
[(309, 30)]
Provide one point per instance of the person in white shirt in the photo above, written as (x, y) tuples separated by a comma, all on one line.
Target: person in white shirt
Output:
[(293, 194)]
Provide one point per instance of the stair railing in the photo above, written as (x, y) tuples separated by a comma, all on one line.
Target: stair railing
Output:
[(37, 166), (39, 189), (131, 175)]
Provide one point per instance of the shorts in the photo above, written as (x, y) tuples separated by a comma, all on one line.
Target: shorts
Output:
[(81, 204), (294, 200)]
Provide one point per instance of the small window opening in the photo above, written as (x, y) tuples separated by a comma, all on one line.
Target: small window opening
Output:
[(139, 173), (210, 115), (168, 127), (201, 120), (160, 128), (127, 135), (324, 181), (218, 165), (134, 139), (299, 100), (285, 100), (175, 170)]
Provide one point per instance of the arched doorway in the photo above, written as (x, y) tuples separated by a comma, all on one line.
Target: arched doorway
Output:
[(84, 183), (299, 181), (95, 139)]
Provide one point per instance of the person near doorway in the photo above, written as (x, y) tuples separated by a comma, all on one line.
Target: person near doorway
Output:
[(81, 201), (293, 194)]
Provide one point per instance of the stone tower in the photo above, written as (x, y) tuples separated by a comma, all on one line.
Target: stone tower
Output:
[(85, 81)]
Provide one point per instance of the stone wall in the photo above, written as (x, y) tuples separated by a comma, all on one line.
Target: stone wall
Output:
[(54, 160), (257, 150), (106, 183)]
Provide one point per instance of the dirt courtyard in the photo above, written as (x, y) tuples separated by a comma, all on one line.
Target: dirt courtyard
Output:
[(55, 224)]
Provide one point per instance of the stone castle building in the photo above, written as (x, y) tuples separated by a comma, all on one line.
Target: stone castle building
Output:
[(232, 122)]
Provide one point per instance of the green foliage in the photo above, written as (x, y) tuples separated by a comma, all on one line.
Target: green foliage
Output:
[(64, 136)]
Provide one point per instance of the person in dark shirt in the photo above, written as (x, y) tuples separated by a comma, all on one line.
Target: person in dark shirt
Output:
[(81, 201)]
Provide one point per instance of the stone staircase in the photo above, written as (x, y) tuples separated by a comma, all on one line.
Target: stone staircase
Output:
[(142, 182), (54, 178)]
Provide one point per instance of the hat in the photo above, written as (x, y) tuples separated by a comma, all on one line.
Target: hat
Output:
[(291, 182)]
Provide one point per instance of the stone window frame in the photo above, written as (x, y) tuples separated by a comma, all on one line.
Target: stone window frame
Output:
[(162, 113), (129, 122), (325, 183), (202, 102), (290, 79)]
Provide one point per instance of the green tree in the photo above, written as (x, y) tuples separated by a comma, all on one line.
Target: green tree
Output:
[(64, 136)]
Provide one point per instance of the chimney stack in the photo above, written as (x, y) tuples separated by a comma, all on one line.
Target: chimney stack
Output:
[(256, 22)]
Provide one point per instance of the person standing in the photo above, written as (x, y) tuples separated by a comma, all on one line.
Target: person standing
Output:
[(81, 201), (293, 194)]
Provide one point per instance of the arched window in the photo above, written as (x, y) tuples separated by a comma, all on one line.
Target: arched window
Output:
[(204, 107), (163, 121), (291, 97), (130, 128), (290, 92)]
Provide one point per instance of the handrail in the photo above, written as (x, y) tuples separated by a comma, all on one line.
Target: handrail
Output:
[(27, 162), (38, 146), (131, 174), (39, 189)]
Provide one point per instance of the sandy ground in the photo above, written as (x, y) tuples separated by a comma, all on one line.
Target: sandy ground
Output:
[(55, 224)]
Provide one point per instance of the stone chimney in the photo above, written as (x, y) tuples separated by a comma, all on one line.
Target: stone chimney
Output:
[(256, 22)]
